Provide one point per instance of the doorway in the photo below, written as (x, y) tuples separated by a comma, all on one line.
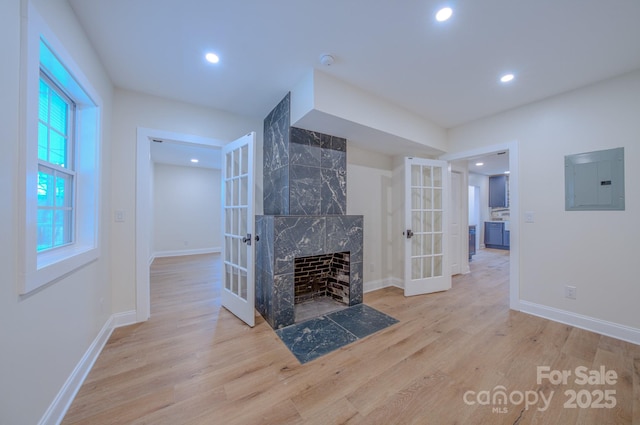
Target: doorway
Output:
[(144, 206), (512, 149), (474, 215)]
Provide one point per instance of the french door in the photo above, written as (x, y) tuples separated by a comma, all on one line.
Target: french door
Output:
[(426, 226), (238, 249)]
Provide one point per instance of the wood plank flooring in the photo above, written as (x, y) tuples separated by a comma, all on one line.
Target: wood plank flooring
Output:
[(194, 363)]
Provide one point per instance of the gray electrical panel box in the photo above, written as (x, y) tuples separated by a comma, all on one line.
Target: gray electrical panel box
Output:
[(594, 181)]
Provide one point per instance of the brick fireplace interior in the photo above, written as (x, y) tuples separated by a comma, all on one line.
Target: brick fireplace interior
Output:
[(321, 276)]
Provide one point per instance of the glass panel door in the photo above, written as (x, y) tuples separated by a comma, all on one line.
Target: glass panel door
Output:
[(426, 189), (238, 295)]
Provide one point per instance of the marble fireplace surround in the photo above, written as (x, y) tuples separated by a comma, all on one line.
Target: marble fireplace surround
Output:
[(285, 238), (305, 201)]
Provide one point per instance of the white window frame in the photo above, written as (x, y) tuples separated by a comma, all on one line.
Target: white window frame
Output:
[(56, 170), (41, 269)]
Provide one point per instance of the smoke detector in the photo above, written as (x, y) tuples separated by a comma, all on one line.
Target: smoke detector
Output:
[(327, 60)]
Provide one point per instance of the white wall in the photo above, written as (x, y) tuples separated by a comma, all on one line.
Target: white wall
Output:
[(186, 210), (592, 250), (324, 103), (45, 334), (369, 185), (133, 110)]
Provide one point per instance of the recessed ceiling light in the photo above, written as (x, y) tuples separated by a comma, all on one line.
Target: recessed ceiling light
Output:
[(507, 77), (444, 14), (479, 164), (507, 172), (195, 160), (212, 58)]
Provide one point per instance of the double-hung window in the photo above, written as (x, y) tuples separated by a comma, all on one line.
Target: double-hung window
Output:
[(56, 175), (60, 159)]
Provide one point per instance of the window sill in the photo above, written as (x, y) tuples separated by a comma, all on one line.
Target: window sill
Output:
[(54, 265)]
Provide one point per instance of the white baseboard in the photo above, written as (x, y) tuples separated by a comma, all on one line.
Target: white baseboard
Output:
[(58, 408), (382, 283), (592, 324), (180, 252), (125, 318)]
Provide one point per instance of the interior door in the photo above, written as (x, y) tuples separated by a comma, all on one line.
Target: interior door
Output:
[(455, 225), (426, 226), (238, 293)]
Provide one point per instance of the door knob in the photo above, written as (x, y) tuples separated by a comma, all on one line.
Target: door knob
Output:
[(409, 233)]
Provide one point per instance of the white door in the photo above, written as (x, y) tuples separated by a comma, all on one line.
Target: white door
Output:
[(238, 249), (426, 227), (455, 225)]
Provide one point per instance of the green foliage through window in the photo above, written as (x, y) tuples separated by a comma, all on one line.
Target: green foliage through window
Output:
[(55, 166)]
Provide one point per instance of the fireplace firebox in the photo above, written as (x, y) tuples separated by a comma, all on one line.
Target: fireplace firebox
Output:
[(320, 276)]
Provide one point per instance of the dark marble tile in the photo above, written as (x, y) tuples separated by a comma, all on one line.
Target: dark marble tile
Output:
[(361, 320), (275, 163), (334, 143), (264, 290), (284, 238), (305, 188), (310, 156), (314, 338), (280, 110), (275, 144), (264, 246), (344, 233), (276, 191), (283, 313), (334, 192), (304, 175), (259, 270), (296, 236), (355, 284), (306, 137), (334, 160)]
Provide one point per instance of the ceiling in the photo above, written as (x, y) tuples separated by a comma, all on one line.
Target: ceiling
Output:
[(182, 154), (447, 72), (492, 164)]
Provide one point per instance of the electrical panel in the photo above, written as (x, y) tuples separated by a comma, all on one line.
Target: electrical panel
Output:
[(594, 181)]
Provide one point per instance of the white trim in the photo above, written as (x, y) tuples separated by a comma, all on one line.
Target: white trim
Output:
[(124, 318), (397, 282), (514, 207), (179, 253), (463, 219), (40, 269), (144, 208), (143, 232), (603, 327), (382, 283), (58, 408), (375, 285)]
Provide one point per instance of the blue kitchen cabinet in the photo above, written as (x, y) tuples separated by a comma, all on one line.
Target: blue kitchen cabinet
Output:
[(498, 193), (495, 235)]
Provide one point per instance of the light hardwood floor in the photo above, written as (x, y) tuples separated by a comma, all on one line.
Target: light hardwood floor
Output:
[(194, 363)]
